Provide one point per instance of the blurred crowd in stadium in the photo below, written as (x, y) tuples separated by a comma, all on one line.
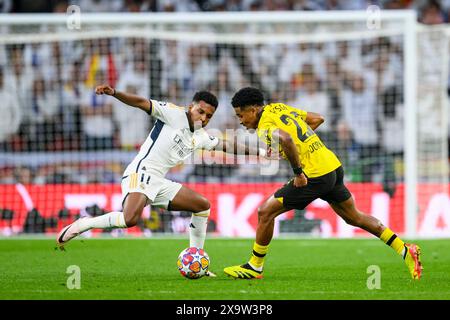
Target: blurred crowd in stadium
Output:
[(48, 102)]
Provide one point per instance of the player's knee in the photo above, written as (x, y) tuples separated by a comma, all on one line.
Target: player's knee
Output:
[(131, 218), (203, 205), (130, 222), (264, 215)]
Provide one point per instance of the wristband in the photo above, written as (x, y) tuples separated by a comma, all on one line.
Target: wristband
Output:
[(297, 171), (114, 93)]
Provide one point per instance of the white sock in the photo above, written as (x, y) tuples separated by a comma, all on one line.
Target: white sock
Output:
[(106, 221), (255, 268), (197, 228)]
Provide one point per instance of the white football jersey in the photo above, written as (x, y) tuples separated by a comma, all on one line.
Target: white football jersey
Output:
[(170, 141)]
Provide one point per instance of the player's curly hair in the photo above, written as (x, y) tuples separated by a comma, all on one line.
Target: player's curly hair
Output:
[(247, 97), (206, 96)]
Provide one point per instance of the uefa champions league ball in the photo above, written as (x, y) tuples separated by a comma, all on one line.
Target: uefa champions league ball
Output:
[(193, 263)]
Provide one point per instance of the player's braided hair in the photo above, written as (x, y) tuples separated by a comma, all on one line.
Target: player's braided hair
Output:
[(206, 96), (247, 97)]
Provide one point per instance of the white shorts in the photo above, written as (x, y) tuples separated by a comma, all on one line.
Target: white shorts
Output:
[(159, 191)]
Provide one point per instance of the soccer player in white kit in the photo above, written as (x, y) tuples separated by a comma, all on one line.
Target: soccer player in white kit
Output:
[(174, 137)]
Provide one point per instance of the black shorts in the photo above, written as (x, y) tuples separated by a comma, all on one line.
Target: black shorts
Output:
[(329, 187)]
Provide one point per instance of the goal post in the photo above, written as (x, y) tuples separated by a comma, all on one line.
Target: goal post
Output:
[(411, 92)]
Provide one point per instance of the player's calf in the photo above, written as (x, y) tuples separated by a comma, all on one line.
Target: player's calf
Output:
[(131, 219)]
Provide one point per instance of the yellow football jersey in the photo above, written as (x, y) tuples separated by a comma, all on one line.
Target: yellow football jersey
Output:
[(315, 158)]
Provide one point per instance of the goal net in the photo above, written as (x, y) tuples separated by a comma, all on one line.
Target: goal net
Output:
[(64, 149)]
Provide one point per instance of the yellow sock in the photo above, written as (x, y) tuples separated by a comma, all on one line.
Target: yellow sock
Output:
[(258, 254), (391, 239)]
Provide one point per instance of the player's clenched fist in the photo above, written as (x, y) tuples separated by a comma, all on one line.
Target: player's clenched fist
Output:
[(105, 89), (300, 181)]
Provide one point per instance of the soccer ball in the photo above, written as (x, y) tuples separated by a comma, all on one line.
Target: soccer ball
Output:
[(193, 263)]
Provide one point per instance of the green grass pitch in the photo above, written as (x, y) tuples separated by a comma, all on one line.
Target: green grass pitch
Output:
[(296, 269)]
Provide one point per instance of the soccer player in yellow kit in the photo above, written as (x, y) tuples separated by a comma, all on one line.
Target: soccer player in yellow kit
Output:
[(318, 173)]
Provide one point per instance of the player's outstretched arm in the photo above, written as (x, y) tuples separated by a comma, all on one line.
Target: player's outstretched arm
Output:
[(237, 148), (127, 98), (314, 120)]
